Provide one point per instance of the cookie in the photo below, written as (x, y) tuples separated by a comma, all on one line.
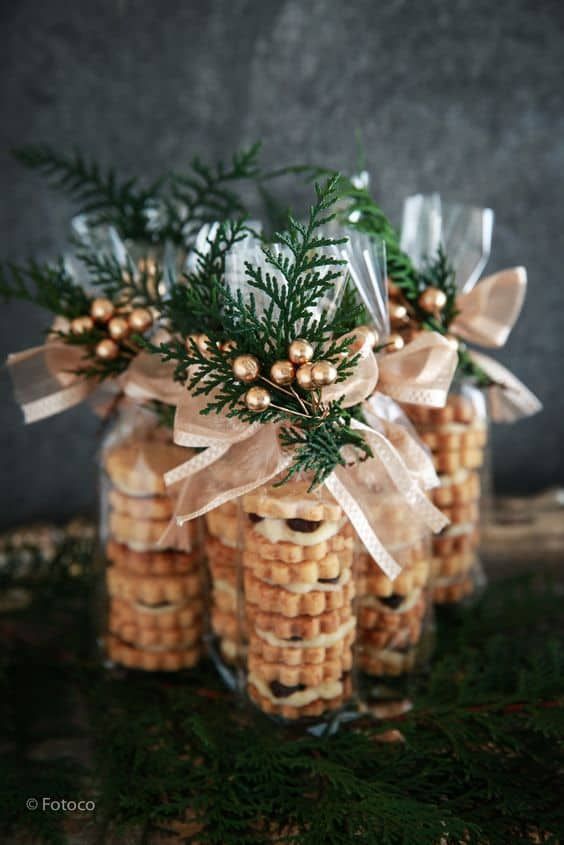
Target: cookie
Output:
[(408, 635), (227, 625), (147, 638), (458, 409), (153, 590), (453, 437), (270, 649), (467, 513), (456, 539), (151, 661), (137, 466), (386, 661), (225, 596), (158, 617), (449, 565), (153, 562), (372, 581), (391, 613), (292, 500), (145, 535), (290, 552), (449, 462), (325, 597), (232, 651), (452, 591), (219, 555), (224, 527), (457, 489), (137, 507), (288, 628), (302, 703), (305, 572), (309, 674)]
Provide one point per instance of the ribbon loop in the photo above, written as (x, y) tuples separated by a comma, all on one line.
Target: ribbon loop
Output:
[(421, 372), (488, 312)]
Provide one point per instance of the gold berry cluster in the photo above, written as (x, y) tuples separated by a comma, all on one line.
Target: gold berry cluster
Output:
[(119, 325), (405, 326), (299, 367)]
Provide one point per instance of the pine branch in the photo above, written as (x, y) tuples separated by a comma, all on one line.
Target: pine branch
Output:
[(135, 285), (49, 286), (121, 203)]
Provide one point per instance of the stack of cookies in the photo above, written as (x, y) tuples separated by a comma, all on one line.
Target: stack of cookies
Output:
[(155, 600), (391, 614), (456, 436), (222, 549), (299, 589)]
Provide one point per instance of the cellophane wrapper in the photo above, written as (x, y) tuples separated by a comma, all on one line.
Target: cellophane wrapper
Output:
[(457, 436), (394, 618), (150, 600)]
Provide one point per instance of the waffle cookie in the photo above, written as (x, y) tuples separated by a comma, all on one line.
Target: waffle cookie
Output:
[(136, 466), (298, 586), (155, 659)]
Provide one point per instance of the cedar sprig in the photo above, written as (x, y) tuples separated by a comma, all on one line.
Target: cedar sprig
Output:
[(129, 284), (204, 193), (50, 286), (109, 198), (302, 275)]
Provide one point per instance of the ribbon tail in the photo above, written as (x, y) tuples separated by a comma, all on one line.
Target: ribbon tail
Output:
[(195, 464), (509, 399), (349, 503), (402, 479)]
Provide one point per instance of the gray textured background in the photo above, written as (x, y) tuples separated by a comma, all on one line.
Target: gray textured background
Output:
[(460, 96)]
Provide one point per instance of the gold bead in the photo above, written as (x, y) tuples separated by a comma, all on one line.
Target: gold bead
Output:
[(118, 328), (257, 399), (80, 325), (140, 320), (101, 310), (432, 300), (304, 377), (395, 343), (394, 292), (228, 346), (300, 351), (282, 372), (398, 314), (363, 335), (107, 350), (323, 373), (203, 343), (245, 368)]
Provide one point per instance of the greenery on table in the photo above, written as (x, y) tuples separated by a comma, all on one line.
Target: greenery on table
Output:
[(481, 759)]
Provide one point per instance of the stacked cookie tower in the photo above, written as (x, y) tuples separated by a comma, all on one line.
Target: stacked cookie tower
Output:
[(391, 614), (155, 600), (222, 549), (299, 589), (456, 436)]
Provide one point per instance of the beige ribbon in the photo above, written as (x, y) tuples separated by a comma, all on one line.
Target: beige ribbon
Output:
[(240, 457), (421, 372), (486, 316), (45, 380)]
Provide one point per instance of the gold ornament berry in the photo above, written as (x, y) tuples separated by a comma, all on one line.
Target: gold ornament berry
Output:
[(257, 399), (300, 351), (203, 343), (395, 342), (398, 314), (102, 310), (118, 328), (304, 377), (282, 372), (394, 292), (140, 320), (107, 349), (228, 346), (323, 373), (362, 335), (432, 300), (80, 325), (245, 368)]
